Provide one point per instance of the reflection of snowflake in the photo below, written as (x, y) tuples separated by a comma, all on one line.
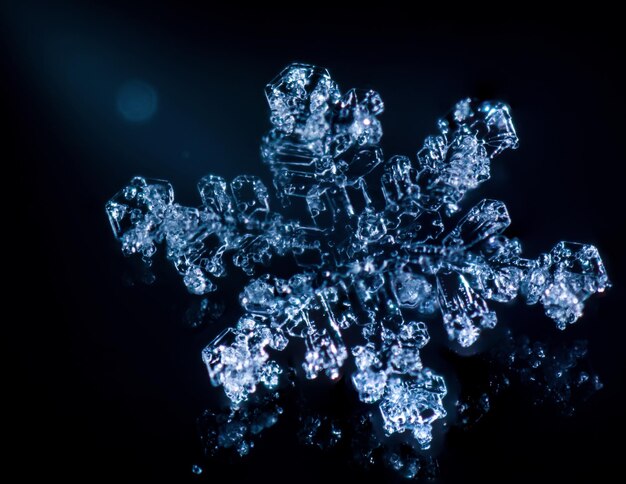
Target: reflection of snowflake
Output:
[(370, 238)]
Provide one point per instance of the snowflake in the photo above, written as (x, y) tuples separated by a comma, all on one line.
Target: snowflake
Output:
[(375, 242)]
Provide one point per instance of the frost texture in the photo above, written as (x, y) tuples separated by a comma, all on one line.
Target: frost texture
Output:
[(375, 240)]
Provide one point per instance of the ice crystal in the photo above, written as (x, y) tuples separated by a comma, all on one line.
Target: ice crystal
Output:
[(375, 241)]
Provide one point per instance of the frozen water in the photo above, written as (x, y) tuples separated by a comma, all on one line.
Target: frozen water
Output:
[(375, 241)]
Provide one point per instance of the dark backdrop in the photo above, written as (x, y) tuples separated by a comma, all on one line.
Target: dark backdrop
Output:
[(109, 380)]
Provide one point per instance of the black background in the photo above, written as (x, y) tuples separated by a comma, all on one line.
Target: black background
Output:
[(109, 379)]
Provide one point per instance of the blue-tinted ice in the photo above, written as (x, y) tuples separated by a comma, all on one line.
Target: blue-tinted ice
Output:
[(375, 242)]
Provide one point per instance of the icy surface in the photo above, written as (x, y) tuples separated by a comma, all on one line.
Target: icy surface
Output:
[(376, 240)]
